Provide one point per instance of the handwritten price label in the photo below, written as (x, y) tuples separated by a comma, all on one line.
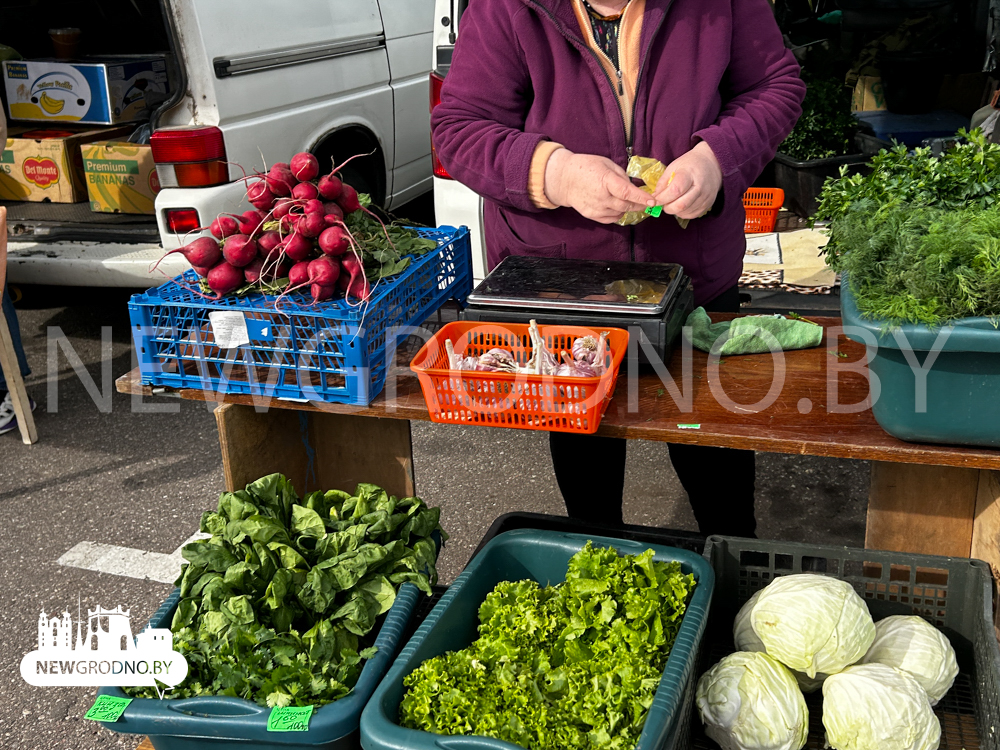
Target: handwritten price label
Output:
[(289, 719), (107, 708)]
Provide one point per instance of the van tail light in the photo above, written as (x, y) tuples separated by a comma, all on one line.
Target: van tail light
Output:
[(190, 157), (182, 220), (437, 81)]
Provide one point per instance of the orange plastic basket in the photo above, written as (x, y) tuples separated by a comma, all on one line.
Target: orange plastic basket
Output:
[(762, 206), (500, 399)]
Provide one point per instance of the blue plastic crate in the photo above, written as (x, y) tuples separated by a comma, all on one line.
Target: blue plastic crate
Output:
[(212, 722), (541, 556), (331, 351)]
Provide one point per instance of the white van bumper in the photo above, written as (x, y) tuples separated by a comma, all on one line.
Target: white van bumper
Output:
[(90, 264)]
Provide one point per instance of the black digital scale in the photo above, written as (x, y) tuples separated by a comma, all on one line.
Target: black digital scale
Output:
[(656, 297)]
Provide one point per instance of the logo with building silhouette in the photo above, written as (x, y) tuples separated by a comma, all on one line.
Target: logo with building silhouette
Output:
[(101, 651)]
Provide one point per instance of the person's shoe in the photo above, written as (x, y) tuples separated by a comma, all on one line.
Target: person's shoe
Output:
[(8, 420)]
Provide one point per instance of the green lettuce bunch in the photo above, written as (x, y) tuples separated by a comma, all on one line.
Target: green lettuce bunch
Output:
[(278, 605), (569, 666)]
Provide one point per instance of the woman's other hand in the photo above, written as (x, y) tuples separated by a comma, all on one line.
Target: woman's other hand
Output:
[(696, 181), (592, 185)]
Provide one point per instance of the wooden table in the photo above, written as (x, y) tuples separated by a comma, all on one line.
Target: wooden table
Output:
[(931, 499)]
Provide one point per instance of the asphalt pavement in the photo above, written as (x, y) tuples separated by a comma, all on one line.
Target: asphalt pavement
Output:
[(104, 473)]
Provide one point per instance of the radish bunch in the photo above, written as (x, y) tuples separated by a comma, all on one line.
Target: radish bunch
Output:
[(296, 230)]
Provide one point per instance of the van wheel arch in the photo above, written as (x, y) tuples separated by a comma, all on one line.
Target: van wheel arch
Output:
[(367, 173)]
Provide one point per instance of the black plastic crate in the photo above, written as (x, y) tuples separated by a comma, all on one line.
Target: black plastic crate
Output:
[(954, 594)]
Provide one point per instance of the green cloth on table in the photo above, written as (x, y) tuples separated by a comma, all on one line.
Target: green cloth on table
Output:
[(751, 334)]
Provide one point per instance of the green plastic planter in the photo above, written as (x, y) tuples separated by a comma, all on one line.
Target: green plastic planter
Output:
[(962, 399), (543, 557)]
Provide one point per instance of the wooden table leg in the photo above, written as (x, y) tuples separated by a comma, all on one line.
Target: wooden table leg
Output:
[(986, 532), (315, 450), (924, 509)]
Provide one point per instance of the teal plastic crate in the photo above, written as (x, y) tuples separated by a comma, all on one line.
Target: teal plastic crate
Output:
[(222, 723), (952, 593), (961, 404), (542, 556)]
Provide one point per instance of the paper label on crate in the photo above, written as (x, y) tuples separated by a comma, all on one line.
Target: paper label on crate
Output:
[(229, 328), (107, 708), (289, 719)]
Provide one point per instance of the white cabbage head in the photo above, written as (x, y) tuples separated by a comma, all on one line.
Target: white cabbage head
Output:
[(812, 624), (878, 707), (748, 701), (912, 644), (747, 640)]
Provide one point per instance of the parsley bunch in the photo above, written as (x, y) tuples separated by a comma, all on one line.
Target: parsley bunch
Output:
[(569, 666)]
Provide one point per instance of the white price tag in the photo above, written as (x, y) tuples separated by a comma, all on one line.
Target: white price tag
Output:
[(229, 328)]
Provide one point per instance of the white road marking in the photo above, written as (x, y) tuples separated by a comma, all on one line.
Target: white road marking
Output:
[(125, 561)]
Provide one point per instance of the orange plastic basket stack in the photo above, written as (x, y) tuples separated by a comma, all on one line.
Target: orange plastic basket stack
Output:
[(762, 206), (500, 399)]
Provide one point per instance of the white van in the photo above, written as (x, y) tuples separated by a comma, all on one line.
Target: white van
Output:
[(251, 81), (454, 204)]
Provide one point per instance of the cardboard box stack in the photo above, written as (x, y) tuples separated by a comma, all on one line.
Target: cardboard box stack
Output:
[(121, 177)]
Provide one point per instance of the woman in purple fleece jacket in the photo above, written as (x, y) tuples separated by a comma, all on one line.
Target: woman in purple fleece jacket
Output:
[(543, 105)]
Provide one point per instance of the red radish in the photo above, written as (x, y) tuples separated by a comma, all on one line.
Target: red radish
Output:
[(357, 285), (268, 245), (304, 166), (321, 293), (298, 247), (250, 222), (280, 181), (324, 271), (259, 196), (252, 271), (225, 278), (329, 187), (281, 165), (202, 270), (286, 224), (334, 241), (202, 253), (311, 225), (304, 191), (239, 250), (282, 207), (298, 275), (332, 209), (313, 206), (223, 227), (348, 200)]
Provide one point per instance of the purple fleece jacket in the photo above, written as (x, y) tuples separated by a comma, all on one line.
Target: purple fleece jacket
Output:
[(711, 70)]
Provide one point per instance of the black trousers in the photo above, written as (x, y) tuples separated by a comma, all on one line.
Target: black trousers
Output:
[(719, 482)]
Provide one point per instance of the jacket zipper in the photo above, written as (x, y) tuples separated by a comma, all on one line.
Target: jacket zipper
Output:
[(630, 131)]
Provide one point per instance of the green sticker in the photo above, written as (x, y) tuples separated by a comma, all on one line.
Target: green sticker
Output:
[(289, 719), (689, 427), (654, 211), (107, 708)]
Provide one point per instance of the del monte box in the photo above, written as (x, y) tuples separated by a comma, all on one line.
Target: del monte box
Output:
[(45, 165)]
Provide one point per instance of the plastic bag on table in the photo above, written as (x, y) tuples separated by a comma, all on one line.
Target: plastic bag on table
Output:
[(650, 171)]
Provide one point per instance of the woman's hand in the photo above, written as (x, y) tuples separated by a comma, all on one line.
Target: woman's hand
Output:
[(596, 187), (697, 178)]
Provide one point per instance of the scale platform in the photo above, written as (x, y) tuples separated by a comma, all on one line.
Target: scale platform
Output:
[(655, 297)]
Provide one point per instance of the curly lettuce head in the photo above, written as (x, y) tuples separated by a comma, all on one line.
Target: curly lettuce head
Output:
[(912, 644), (747, 640), (812, 624), (878, 707), (748, 701)]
